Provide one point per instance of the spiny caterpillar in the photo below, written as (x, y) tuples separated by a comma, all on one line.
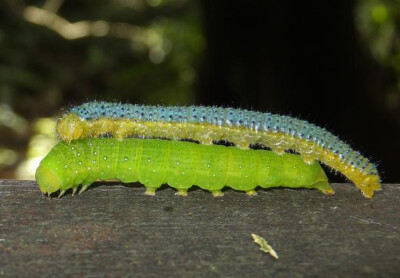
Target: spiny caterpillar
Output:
[(208, 124), (154, 162)]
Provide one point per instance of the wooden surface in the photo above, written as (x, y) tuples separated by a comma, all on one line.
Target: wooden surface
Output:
[(116, 230)]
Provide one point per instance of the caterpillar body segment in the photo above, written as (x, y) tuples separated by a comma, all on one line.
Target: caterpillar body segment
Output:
[(154, 162), (208, 124)]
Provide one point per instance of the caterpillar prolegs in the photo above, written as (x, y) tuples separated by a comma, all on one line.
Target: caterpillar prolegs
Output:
[(208, 124), (179, 164)]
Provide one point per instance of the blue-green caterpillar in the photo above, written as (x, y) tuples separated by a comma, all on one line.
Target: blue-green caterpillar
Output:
[(154, 162)]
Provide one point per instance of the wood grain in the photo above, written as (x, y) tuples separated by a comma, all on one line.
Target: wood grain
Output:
[(113, 230)]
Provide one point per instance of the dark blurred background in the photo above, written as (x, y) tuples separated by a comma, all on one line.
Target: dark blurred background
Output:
[(336, 64)]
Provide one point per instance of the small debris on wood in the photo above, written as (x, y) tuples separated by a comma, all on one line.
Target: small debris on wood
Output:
[(264, 246)]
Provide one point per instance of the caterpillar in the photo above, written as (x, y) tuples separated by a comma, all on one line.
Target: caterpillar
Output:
[(208, 124), (180, 164)]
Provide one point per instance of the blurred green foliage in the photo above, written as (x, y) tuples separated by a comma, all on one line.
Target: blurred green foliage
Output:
[(149, 53), (378, 22)]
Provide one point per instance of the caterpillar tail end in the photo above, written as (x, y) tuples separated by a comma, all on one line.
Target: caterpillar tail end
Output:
[(324, 187), (368, 184), (71, 127)]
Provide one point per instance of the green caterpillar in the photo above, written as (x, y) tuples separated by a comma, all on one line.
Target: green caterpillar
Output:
[(154, 162)]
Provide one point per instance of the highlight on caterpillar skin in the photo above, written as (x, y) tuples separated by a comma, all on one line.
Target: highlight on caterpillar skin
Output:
[(208, 124), (179, 164)]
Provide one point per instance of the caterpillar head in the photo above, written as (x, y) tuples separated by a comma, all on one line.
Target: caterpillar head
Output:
[(48, 180), (70, 127)]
